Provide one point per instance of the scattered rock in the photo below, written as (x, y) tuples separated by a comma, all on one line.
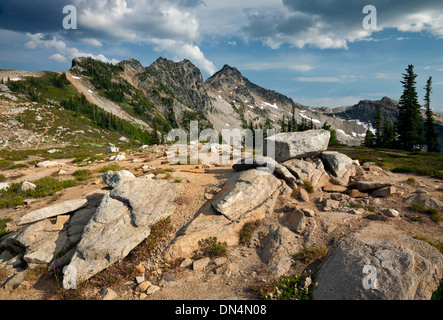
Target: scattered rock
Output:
[(152, 289), (4, 186), (142, 287), (186, 263), (200, 264), (47, 164), (384, 192), (391, 213), (112, 150), (108, 294)]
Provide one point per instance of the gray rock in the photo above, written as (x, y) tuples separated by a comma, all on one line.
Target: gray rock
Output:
[(384, 192), (292, 145), (200, 264), (363, 186), (47, 164), (152, 289), (391, 213), (246, 192), (426, 200), (406, 268), (278, 248), (108, 294), (121, 222), (112, 150), (337, 162), (312, 171), (4, 186), (52, 211), (267, 164), (113, 179), (27, 186)]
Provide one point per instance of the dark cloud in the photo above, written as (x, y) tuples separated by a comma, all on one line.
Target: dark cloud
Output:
[(32, 16)]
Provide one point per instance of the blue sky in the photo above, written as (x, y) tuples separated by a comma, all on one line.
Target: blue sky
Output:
[(316, 52)]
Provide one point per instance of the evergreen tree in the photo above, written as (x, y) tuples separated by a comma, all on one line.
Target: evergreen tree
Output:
[(430, 127), (388, 134), (293, 121), (410, 123), (369, 141), (378, 128), (333, 140)]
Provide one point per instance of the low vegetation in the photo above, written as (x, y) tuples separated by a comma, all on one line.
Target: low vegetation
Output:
[(213, 248), (311, 254), (292, 287), (3, 229), (247, 231), (46, 186)]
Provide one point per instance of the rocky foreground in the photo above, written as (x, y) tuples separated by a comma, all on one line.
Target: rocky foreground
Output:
[(308, 198)]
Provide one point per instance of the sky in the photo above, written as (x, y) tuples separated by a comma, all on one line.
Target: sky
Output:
[(327, 53)]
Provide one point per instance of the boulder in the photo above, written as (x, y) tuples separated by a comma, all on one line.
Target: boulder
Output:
[(426, 200), (121, 222), (312, 171), (268, 164), (27, 186), (338, 163), (290, 145), (4, 186), (47, 164), (119, 157), (113, 179), (406, 268), (384, 192), (245, 192), (52, 211), (112, 150), (391, 213)]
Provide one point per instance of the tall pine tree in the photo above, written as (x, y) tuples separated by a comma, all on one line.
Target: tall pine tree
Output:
[(430, 127), (410, 122)]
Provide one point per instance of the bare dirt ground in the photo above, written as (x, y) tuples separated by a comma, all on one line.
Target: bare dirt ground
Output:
[(247, 270)]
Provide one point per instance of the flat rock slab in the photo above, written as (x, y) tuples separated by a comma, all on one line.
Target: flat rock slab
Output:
[(53, 211), (363, 186), (246, 192), (290, 145), (334, 188)]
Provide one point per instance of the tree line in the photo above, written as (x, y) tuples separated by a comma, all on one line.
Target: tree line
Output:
[(411, 132)]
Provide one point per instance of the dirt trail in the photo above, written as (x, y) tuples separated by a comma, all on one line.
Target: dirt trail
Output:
[(47, 126)]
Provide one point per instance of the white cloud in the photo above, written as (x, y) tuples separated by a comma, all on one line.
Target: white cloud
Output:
[(259, 66), (63, 51), (57, 57), (342, 79)]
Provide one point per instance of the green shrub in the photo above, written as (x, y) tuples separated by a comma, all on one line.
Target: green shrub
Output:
[(3, 230), (11, 202), (2, 178), (293, 287), (308, 186), (310, 254), (247, 231), (212, 248), (82, 175)]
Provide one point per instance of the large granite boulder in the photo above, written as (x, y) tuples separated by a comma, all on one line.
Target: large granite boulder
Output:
[(245, 192), (290, 145), (379, 263)]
